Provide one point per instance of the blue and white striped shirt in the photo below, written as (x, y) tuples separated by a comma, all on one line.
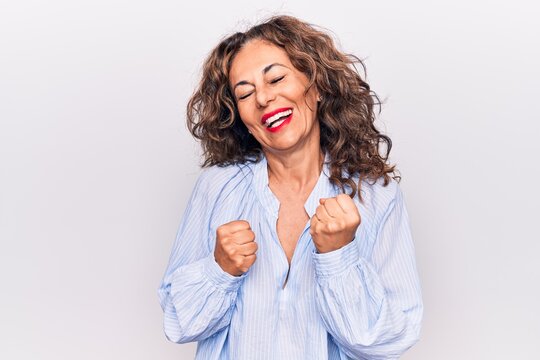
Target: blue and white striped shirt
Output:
[(362, 301)]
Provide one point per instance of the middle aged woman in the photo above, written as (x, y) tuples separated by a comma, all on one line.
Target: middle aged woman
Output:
[(295, 243)]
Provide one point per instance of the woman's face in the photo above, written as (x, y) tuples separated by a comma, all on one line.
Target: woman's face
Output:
[(270, 95)]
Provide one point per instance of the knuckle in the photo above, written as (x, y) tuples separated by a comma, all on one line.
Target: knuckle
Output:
[(232, 250), (352, 220), (243, 222), (252, 260), (220, 232), (224, 240), (238, 262), (331, 227)]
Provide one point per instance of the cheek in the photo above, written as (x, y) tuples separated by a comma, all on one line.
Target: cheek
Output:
[(311, 96), (243, 114), (247, 119), (301, 98)]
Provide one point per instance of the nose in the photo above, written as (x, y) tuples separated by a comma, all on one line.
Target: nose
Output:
[(264, 95)]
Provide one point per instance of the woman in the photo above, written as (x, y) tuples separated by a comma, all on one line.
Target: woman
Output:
[(295, 243)]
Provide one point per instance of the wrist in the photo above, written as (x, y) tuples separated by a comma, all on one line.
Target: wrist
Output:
[(222, 279), (327, 247), (334, 262)]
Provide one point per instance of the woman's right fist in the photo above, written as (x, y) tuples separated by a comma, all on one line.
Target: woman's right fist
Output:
[(235, 247)]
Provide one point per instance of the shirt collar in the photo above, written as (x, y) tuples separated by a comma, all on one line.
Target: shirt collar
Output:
[(262, 190)]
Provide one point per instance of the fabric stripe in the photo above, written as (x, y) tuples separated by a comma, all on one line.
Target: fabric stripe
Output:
[(362, 301)]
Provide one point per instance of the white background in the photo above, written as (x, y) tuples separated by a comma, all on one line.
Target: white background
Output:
[(96, 163)]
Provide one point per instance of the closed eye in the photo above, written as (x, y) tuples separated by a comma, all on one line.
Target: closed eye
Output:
[(277, 79), (273, 81), (244, 96)]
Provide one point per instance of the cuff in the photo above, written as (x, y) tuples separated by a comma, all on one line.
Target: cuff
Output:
[(219, 277), (334, 262)]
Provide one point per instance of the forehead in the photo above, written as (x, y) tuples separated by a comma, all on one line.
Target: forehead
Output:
[(253, 57)]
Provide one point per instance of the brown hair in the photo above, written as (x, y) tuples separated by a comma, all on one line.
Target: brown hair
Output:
[(345, 113)]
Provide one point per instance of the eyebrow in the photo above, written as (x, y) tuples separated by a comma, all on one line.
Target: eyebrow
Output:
[(264, 71)]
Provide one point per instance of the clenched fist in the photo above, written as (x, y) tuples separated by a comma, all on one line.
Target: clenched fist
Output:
[(334, 223), (235, 247)]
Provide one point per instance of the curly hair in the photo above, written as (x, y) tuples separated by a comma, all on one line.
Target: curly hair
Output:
[(345, 113)]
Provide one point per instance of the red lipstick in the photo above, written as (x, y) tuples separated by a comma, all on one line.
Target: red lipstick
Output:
[(285, 122), (280, 120), (266, 116)]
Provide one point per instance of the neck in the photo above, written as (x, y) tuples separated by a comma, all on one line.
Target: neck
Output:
[(296, 169)]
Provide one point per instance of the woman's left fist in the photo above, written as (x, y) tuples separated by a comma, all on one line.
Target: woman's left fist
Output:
[(334, 223)]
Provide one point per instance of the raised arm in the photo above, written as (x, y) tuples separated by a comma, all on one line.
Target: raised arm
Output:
[(372, 308), (196, 295)]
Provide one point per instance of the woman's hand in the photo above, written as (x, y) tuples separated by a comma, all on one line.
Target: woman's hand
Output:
[(235, 247), (334, 223)]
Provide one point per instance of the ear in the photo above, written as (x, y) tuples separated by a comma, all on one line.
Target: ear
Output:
[(318, 95)]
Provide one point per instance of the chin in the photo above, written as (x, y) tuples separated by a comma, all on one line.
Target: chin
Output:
[(282, 146)]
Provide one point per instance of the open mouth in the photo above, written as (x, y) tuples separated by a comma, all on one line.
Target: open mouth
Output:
[(278, 119), (275, 120)]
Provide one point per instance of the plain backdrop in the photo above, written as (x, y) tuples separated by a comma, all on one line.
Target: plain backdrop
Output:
[(96, 164)]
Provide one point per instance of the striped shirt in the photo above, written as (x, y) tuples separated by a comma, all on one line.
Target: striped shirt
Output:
[(362, 301)]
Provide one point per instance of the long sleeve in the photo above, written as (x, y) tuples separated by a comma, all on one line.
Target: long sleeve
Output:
[(196, 295), (373, 309)]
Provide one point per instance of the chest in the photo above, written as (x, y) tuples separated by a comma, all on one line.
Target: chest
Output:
[(292, 219)]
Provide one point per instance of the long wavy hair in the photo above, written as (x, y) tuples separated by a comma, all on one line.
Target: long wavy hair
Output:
[(345, 113)]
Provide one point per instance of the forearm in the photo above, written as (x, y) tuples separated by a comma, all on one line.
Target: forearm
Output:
[(365, 321), (197, 300)]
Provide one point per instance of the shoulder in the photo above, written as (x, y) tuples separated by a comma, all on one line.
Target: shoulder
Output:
[(214, 180), (379, 193), (378, 198)]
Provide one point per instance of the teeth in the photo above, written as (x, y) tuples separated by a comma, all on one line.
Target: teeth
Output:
[(277, 123), (277, 116)]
